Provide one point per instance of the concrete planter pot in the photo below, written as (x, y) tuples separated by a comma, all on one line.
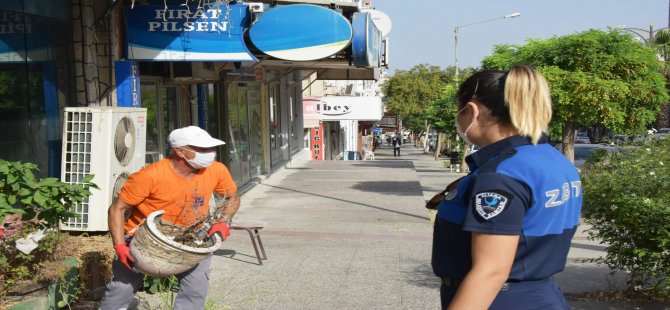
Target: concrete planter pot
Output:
[(157, 255)]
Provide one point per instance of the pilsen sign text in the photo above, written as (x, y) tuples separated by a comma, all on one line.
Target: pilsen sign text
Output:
[(162, 20)]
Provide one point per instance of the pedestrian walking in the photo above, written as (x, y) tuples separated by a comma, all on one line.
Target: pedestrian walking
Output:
[(182, 185), (397, 141), (504, 230)]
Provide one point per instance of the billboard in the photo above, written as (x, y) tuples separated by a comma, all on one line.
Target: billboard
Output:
[(196, 33)]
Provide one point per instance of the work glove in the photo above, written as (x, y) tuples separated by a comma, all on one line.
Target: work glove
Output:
[(123, 253), (221, 228)]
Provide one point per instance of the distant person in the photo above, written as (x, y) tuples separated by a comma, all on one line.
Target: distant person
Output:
[(504, 231), (182, 185), (397, 141)]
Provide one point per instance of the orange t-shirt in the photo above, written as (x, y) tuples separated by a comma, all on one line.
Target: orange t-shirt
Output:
[(158, 187)]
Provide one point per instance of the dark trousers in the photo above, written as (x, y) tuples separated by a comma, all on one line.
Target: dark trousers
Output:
[(528, 295), (396, 150)]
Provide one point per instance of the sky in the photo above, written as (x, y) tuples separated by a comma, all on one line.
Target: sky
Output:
[(423, 30)]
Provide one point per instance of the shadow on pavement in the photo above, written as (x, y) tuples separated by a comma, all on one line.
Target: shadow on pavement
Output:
[(402, 164), (592, 247), (349, 201), (230, 254), (423, 276), (399, 188)]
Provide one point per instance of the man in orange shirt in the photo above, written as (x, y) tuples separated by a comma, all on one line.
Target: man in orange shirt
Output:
[(182, 185)]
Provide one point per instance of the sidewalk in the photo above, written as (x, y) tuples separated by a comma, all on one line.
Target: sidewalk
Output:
[(356, 235)]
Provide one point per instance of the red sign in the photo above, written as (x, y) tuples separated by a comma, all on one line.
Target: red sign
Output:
[(259, 74), (317, 143)]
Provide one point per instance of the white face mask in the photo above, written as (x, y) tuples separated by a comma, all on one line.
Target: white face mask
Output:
[(201, 160), (461, 133)]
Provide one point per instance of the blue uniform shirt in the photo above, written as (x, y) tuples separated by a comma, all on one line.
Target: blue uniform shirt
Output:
[(515, 188)]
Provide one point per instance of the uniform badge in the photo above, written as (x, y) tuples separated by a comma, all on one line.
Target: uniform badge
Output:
[(451, 195), (490, 204)]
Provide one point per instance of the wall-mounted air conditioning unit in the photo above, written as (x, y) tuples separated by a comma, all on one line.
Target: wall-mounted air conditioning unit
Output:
[(108, 142)]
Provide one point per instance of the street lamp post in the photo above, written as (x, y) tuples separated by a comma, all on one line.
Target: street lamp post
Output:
[(466, 149), (647, 36), (457, 28)]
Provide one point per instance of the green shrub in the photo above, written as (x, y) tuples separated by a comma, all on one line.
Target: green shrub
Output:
[(627, 200), (40, 204), (45, 201)]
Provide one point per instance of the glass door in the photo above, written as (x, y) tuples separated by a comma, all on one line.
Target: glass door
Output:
[(234, 132), (242, 141), (255, 130), (155, 136), (245, 131)]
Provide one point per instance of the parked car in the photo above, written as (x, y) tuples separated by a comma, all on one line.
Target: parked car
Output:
[(584, 151)]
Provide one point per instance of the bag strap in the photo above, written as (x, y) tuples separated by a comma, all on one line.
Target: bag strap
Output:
[(451, 185)]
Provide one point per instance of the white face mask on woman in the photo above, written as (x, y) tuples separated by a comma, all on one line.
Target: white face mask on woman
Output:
[(461, 133), (201, 160)]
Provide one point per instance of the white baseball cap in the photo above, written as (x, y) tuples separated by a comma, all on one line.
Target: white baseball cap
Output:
[(192, 135)]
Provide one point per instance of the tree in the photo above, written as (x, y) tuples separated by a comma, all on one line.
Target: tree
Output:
[(409, 93), (442, 113), (661, 43), (597, 78)]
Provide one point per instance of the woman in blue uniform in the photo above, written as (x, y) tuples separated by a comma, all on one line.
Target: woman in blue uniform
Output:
[(505, 229)]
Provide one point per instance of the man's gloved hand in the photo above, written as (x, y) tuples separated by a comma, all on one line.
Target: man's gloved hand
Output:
[(221, 228), (123, 253)]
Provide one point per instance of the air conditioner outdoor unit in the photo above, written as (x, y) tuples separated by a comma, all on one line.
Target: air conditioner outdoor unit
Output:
[(108, 142)]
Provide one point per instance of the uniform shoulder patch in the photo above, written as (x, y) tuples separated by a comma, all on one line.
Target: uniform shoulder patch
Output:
[(490, 204)]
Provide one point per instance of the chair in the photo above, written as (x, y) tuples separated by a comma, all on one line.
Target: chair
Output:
[(253, 227), (368, 155)]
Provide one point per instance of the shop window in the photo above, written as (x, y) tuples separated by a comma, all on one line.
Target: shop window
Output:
[(35, 64), (275, 117)]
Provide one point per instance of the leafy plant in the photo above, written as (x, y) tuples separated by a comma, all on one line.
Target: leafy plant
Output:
[(67, 289), (626, 197), (167, 287), (45, 201), (40, 203)]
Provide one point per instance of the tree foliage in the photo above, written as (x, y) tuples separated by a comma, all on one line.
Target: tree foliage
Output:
[(409, 93), (661, 43), (597, 78), (441, 113)]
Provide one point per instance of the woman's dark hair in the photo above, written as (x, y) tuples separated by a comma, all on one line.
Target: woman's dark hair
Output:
[(519, 97), (488, 89)]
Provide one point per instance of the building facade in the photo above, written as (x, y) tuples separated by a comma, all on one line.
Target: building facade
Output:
[(215, 66)]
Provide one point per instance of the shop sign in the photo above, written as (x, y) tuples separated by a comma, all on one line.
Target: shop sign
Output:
[(24, 38), (187, 33), (259, 74), (301, 32), (127, 84), (317, 142), (367, 41), (310, 117), (339, 108)]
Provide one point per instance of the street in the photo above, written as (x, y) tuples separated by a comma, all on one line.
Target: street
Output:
[(356, 235)]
